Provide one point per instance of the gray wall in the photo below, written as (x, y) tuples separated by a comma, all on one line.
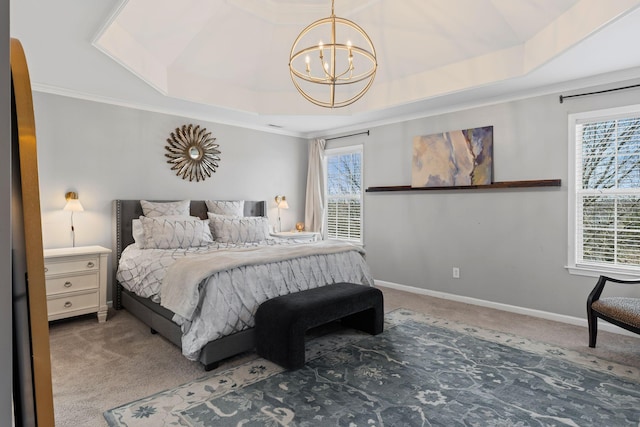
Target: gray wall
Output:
[(510, 245), (5, 219), (105, 152)]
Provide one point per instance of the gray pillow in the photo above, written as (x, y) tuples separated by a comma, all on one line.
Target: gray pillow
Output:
[(233, 229), (226, 207), (153, 209), (137, 230), (174, 233)]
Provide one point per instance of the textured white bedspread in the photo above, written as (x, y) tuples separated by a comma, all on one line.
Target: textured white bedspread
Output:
[(180, 285), (142, 271), (227, 300)]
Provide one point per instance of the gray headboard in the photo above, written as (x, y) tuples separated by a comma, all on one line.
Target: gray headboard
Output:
[(124, 211)]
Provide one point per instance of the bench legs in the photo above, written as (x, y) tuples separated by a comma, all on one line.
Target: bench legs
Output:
[(370, 321), (288, 348), (281, 323)]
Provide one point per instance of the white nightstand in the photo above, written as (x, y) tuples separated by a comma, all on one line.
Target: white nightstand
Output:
[(76, 280), (298, 236)]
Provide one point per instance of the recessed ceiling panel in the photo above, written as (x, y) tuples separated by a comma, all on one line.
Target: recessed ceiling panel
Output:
[(228, 59)]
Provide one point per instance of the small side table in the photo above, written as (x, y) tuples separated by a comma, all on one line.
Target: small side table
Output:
[(298, 236), (76, 281)]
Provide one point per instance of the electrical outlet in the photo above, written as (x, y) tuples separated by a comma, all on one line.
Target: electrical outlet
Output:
[(456, 273)]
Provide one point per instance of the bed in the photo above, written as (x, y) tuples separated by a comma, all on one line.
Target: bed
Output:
[(210, 315)]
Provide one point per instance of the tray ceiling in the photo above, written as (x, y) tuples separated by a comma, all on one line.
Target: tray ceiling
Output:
[(229, 58)]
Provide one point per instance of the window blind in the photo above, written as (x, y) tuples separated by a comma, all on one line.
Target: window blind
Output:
[(608, 191), (344, 194)]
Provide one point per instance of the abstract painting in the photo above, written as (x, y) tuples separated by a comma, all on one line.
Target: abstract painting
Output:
[(455, 158)]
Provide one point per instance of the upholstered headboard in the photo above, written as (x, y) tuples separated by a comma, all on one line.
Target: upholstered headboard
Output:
[(125, 211)]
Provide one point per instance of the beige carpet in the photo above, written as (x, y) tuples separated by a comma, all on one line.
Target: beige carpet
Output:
[(96, 367)]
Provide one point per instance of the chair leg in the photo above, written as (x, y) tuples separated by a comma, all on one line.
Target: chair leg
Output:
[(592, 319)]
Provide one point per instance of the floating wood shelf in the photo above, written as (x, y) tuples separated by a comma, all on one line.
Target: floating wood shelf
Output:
[(495, 185)]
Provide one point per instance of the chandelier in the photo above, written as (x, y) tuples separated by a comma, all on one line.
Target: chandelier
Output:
[(335, 73)]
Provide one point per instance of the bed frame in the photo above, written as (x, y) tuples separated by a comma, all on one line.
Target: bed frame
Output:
[(152, 314)]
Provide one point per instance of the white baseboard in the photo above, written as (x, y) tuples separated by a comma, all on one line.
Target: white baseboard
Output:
[(602, 326)]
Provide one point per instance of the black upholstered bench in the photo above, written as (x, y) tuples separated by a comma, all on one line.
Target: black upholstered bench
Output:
[(281, 322)]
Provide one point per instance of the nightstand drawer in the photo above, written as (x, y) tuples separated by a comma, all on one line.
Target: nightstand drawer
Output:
[(72, 304), (76, 281), (72, 283), (71, 265)]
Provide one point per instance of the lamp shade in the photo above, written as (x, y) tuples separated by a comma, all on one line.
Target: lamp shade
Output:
[(281, 202), (73, 204)]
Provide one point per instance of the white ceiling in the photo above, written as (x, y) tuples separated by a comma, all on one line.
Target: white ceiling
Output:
[(226, 60)]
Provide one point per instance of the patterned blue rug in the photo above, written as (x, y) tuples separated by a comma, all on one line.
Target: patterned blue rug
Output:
[(420, 372)]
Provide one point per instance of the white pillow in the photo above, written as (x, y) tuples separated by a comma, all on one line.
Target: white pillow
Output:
[(174, 233), (153, 209), (226, 207), (137, 230), (233, 229)]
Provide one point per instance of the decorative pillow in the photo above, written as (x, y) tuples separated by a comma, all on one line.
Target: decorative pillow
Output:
[(138, 232), (233, 229), (153, 209), (174, 233), (226, 207)]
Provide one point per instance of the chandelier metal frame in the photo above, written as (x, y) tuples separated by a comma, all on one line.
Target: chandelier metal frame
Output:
[(330, 76)]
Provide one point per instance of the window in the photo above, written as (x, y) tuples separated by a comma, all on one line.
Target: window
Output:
[(343, 167), (604, 206)]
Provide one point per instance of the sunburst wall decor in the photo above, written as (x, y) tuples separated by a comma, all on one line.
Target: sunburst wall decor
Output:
[(192, 152)]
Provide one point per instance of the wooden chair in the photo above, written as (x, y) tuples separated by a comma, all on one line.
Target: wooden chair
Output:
[(620, 311)]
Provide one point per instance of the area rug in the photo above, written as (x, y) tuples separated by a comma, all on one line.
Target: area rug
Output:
[(422, 371)]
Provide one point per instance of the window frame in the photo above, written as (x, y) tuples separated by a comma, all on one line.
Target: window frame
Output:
[(339, 151), (574, 267)]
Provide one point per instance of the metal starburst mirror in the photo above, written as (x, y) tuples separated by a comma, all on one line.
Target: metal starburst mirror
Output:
[(192, 152)]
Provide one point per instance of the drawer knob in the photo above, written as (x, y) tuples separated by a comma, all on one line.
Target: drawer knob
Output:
[(90, 264), (67, 284), (67, 304), (46, 269)]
